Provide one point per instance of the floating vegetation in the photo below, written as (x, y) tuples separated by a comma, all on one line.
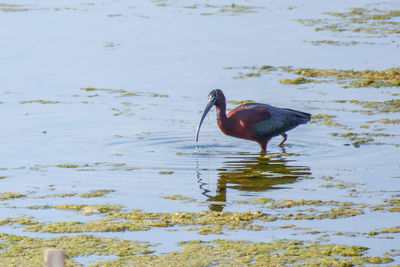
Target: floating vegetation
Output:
[(350, 78), (39, 101), (336, 43), (69, 166), (180, 197), (341, 184), (116, 219), (373, 22), (114, 15), (12, 8), (298, 80), (232, 9), (395, 229), (358, 139), (386, 121), (123, 93), (166, 172), (218, 252), (96, 193), (10, 195), (393, 204), (58, 195), (235, 9), (27, 251), (325, 119), (94, 166), (131, 169), (110, 45), (158, 95), (23, 220), (387, 106), (364, 78)]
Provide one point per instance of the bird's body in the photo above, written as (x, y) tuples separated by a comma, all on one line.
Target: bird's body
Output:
[(254, 121)]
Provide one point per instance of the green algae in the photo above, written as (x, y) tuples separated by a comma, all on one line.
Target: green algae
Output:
[(232, 9), (22, 220), (165, 172), (94, 89), (358, 139), (261, 200), (111, 45), (180, 197), (129, 94), (373, 22), (386, 121), (158, 95), (39, 101), (37, 207), (350, 78), (212, 9), (363, 78), (97, 208), (388, 106), (298, 80), (325, 119), (336, 43), (395, 229), (115, 219), (96, 193), (12, 8), (122, 92), (393, 204), (131, 169), (8, 5), (243, 253), (57, 195), (27, 251), (94, 166), (21, 250), (11, 195), (101, 225), (70, 166), (341, 184)]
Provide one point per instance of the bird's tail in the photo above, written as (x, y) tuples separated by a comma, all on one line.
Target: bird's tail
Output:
[(301, 117)]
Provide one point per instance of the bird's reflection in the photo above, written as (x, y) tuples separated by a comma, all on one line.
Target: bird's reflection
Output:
[(251, 173)]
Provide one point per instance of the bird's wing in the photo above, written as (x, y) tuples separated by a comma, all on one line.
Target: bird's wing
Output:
[(279, 121)]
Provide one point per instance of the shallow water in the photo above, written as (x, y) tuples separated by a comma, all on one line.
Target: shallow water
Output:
[(117, 88)]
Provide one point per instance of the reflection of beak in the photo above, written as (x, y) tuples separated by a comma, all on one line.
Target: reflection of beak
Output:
[(210, 104)]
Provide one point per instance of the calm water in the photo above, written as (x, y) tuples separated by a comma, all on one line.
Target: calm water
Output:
[(170, 57)]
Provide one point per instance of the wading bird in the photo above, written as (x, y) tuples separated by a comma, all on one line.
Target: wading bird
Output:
[(253, 121)]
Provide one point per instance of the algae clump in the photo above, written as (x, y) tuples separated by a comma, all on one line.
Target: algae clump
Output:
[(10, 195), (96, 193)]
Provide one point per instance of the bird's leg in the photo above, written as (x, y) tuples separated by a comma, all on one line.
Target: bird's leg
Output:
[(263, 145), (283, 140)]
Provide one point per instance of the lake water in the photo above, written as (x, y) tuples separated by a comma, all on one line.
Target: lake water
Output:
[(115, 89)]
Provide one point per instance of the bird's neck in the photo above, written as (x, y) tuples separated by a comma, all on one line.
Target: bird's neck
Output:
[(221, 118)]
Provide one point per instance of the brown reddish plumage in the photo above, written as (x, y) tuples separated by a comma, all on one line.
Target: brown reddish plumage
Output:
[(255, 122)]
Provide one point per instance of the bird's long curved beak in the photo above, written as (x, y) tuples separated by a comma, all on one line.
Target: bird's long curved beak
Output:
[(210, 104)]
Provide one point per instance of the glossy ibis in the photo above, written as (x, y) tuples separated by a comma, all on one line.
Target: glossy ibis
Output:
[(253, 121)]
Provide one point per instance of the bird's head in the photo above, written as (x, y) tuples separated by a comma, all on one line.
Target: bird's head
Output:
[(215, 98)]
